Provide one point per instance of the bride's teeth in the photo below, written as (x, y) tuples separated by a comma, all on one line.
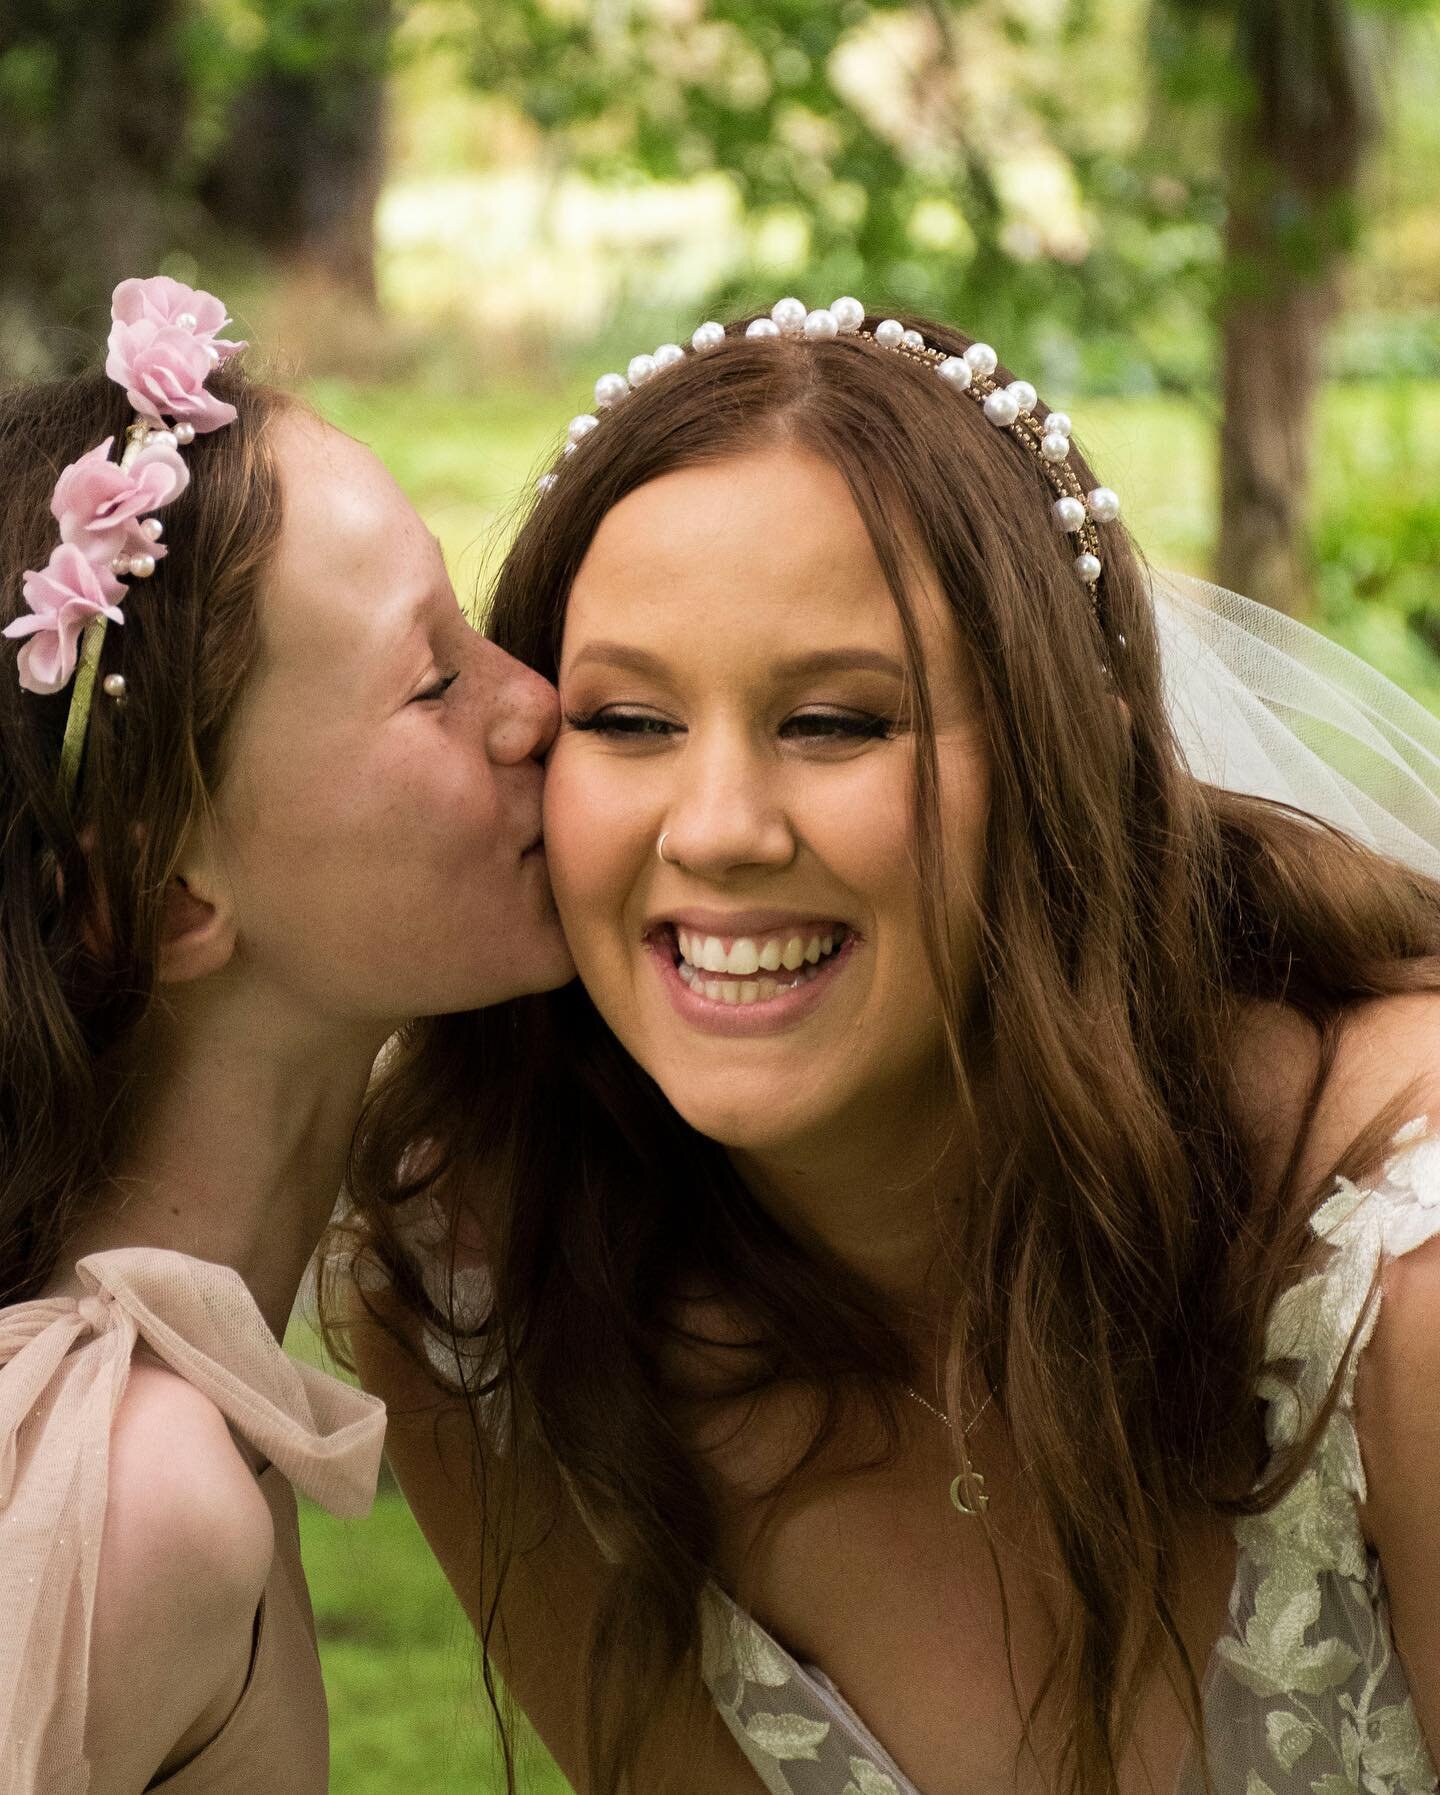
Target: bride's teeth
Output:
[(744, 958), (706, 953)]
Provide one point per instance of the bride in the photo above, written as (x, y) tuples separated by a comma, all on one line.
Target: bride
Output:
[(937, 1250)]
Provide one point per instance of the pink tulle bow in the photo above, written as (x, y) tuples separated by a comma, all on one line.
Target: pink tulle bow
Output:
[(99, 504), (63, 597)]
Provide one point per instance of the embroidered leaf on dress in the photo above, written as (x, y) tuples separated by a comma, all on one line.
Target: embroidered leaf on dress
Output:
[(1350, 1749), (787, 1736), (1395, 1747), (869, 1780), (1311, 1625), (717, 1652), (756, 1656), (1289, 1737)]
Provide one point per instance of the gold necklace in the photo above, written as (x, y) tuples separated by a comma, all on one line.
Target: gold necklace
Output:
[(972, 1482)]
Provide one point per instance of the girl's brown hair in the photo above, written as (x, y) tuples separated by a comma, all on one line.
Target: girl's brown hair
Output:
[(1116, 1254), (83, 883)]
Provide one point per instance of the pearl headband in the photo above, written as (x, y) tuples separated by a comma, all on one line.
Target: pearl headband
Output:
[(1010, 408), (163, 347)]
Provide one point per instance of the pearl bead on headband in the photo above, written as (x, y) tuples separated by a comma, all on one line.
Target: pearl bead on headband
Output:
[(1010, 408)]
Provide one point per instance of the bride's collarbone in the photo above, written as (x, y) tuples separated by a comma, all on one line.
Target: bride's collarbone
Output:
[(876, 1580)]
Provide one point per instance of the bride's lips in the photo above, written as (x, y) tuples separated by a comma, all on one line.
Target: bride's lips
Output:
[(800, 991)]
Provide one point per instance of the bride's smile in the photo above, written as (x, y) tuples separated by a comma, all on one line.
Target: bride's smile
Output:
[(729, 807)]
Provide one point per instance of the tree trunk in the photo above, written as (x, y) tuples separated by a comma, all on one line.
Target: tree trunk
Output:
[(92, 173), (303, 166), (1272, 336), (1295, 153)]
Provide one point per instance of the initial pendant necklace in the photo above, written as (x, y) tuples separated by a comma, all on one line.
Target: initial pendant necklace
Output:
[(971, 1483)]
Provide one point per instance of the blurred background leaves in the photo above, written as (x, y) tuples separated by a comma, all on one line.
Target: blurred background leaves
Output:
[(1231, 201)]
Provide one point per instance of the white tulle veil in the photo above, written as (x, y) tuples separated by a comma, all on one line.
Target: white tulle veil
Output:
[(1263, 705)]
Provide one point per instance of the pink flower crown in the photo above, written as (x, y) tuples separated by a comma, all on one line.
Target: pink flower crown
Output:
[(163, 346)]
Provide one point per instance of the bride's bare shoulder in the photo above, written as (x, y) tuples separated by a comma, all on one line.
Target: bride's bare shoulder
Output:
[(1389, 1050)]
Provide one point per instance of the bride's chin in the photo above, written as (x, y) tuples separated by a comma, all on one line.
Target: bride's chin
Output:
[(742, 1125)]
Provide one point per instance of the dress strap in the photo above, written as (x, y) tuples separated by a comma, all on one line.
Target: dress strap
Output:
[(1315, 1320)]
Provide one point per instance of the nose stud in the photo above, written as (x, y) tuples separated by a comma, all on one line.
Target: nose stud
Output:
[(660, 847)]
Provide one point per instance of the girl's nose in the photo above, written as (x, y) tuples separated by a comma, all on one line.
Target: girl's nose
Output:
[(524, 710)]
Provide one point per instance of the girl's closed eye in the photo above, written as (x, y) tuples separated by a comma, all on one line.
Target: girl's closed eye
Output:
[(433, 693)]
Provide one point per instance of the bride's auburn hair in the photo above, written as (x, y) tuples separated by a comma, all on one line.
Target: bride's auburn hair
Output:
[(1114, 1257)]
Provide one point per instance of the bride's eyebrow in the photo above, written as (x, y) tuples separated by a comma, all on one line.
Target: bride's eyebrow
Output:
[(629, 659)]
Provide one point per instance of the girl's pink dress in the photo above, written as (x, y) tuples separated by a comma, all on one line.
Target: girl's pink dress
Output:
[(64, 1362)]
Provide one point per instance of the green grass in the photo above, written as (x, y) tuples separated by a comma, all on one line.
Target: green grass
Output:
[(408, 1711), (407, 1708)]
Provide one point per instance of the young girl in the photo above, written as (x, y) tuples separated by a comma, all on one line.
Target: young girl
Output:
[(264, 795), (939, 1301)]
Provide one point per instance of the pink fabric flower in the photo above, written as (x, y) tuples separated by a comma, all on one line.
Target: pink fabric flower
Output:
[(63, 598), (163, 370), (99, 504), (160, 300)]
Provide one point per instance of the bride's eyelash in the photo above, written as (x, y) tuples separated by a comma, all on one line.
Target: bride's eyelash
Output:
[(847, 725), (605, 720), (854, 725)]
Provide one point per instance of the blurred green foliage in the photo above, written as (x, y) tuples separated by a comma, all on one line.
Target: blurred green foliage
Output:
[(1055, 168)]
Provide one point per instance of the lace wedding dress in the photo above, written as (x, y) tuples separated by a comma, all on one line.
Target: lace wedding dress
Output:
[(1304, 1693)]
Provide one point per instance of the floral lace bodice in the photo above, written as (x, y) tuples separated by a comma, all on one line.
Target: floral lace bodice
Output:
[(1304, 1694)]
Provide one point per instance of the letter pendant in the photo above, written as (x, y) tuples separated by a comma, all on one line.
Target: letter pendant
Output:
[(979, 1501)]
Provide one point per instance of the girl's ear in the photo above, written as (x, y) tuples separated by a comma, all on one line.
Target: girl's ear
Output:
[(199, 933)]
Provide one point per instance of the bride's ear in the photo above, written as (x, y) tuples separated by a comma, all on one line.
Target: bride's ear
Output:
[(199, 932)]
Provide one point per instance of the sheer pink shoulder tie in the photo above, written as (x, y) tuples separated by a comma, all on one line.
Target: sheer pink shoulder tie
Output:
[(64, 1363)]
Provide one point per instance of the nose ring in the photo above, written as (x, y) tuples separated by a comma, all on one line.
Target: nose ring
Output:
[(660, 847)]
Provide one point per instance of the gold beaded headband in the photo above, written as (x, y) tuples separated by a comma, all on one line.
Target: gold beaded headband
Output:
[(1010, 407)]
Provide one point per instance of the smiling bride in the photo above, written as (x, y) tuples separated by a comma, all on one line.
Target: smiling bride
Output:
[(939, 1246)]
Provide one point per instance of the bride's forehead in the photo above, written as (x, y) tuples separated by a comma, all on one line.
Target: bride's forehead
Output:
[(771, 510), (771, 594)]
